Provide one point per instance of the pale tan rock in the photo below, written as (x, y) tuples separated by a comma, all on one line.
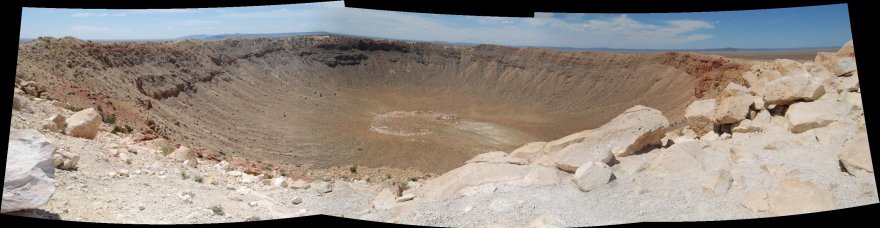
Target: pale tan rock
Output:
[(499, 157), (591, 176), (733, 105), (631, 131), (758, 103), (790, 68), (575, 155), (796, 197), (847, 84), (385, 199), (181, 154), (787, 90), (84, 124), (546, 221), (804, 116), (529, 151), (677, 161), (756, 201), (477, 178), (747, 126), (719, 182), (29, 180), (856, 154), (556, 145), (700, 116)]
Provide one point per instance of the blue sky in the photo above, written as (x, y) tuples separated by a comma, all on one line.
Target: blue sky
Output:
[(819, 26)]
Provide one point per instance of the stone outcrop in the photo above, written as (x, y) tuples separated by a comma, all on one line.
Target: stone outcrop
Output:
[(631, 131), (477, 178), (54, 123), (529, 151), (804, 116), (700, 116), (497, 157), (787, 90), (592, 175), (733, 104), (796, 197), (756, 200), (856, 154), (84, 124), (29, 180), (577, 154)]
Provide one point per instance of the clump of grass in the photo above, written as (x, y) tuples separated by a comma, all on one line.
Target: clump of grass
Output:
[(270, 176), (110, 119), (218, 210), (116, 128), (353, 169), (387, 176), (183, 175), (167, 149), (414, 178), (128, 129), (75, 108)]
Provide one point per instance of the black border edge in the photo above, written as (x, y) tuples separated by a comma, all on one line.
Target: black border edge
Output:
[(860, 19)]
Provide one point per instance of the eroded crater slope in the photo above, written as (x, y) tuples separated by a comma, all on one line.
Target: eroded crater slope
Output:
[(335, 100)]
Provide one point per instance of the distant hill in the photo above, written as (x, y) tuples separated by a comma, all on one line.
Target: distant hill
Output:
[(252, 35), (597, 49), (728, 49)]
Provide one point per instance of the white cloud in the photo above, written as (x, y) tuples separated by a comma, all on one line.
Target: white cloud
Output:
[(98, 15), (164, 10), (279, 13), (87, 28), (195, 22)]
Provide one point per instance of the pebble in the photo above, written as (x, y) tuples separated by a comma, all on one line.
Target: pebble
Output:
[(406, 197), (297, 200)]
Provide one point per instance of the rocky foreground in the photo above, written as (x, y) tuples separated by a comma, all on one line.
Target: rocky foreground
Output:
[(791, 140)]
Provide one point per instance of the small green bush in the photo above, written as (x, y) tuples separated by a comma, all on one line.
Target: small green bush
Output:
[(353, 169), (218, 210), (167, 149), (128, 129), (110, 120), (75, 108)]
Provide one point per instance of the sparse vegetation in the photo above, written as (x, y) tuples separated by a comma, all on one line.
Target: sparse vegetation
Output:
[(128, 128), (75, 108), (183, 175), (117, 128), (353, 169), (387, 176), (218, 210), (167, 149), (110, 119), (64, 130), (270, 176)]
